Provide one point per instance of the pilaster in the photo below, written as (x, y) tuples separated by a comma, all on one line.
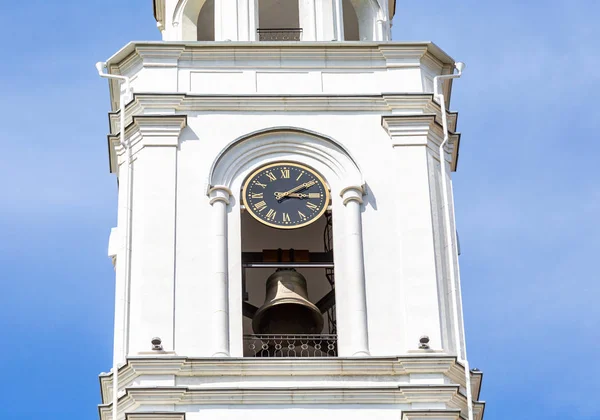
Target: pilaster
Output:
[(415, 140), (153, 141)]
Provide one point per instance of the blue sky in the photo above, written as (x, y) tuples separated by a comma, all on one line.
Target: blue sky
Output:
[(526, 192)]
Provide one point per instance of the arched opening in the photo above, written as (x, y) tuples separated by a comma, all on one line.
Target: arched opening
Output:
[(206, 22), (241, 169), (279, 20), (360, 20), (350, 22)]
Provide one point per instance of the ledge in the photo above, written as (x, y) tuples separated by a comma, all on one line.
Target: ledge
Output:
[(350, 369), (196, 398)]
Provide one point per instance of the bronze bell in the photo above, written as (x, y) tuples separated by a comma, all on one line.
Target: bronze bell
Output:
[(287, 309)]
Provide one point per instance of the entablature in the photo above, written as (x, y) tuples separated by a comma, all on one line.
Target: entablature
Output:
[(400, 112), (236, 68), (399, 371), (403, 397)]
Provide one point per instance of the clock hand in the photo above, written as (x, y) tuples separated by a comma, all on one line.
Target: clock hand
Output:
[(279, 195), (309, 195)]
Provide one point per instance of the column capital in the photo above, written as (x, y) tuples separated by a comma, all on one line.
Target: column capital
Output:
[(422, 130), (146, 131), (352, 193), (219, 193)]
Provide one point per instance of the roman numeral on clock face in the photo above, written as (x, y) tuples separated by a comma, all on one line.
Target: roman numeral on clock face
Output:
[(260, 206), (271, 214), (311, 206), (290, 196)]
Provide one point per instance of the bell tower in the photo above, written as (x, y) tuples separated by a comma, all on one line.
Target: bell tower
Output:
[(285, 242)]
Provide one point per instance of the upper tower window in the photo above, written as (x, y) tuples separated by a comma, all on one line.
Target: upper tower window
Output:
[(350, 22), (279, 20), (206, 21), (361, 19)]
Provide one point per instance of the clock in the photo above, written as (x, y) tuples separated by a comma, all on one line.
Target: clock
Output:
[(285, 195)]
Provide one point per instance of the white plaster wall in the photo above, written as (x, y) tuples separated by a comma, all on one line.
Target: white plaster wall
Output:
[(153, 244), (170, 290), (400, 258)]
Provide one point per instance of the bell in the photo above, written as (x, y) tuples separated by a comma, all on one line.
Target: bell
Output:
[(287, 309)]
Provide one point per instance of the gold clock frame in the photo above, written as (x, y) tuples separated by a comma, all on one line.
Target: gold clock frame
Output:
[(315, 173)]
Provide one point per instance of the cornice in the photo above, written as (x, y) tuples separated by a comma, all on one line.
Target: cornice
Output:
[(198, 397), (155, 416), (356, 51), (431, 414), (318, 56), (285, 368), (146, 131), (421, 130)]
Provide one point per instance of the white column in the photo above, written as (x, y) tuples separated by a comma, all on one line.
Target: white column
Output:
[(339, 20), (355, 270), (226, 20), (219, 199), (308, 20)]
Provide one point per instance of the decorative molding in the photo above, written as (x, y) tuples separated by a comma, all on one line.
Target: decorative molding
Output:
[(316, 56), (219, 193), (146, 131), (198, 397), (394, 104), (154, 56), (432, 415), (155, 416), (276, 143), (352, 193), (240, 53), (281, 368), (421, 130)]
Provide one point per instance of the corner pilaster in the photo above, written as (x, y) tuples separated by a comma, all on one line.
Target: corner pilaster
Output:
[(416, 141), (153, 141)]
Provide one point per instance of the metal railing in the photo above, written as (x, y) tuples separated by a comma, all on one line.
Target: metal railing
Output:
[(279, 34), (298, 345)]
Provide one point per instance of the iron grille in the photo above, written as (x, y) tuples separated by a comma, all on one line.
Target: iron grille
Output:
[(299, 345), (279, 34)]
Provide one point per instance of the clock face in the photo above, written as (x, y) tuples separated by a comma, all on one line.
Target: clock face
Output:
[(285, 195)]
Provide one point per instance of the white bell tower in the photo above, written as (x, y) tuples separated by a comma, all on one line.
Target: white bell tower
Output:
[(285, 244)]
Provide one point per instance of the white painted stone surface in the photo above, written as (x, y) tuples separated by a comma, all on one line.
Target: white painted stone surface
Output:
[(207, 114)]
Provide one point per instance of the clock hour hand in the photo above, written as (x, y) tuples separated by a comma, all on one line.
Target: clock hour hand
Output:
[(309, 195), (280, 195)]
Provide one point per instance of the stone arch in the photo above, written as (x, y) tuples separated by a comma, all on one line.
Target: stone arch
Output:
[(369, 14), (206, 22), (323, 153), (186, 16)]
